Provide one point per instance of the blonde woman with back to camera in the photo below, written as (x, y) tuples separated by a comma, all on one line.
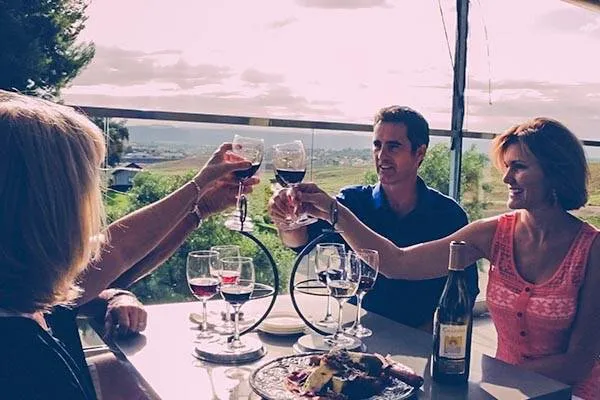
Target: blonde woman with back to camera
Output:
[(56, 252), (545, 262)]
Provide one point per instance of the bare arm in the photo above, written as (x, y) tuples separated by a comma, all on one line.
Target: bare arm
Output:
[(134, 236), (421, 261), (584, 344), (159, 254)]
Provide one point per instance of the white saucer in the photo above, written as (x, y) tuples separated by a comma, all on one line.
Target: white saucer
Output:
[(282, 323)]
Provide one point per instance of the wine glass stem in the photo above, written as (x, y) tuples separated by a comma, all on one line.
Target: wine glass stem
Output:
[(359, 299), (204, 316), (328, 312), (339, 331), (239, 197), (236, 328)]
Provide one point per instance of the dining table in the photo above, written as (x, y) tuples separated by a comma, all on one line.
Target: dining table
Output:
[(163, 356)]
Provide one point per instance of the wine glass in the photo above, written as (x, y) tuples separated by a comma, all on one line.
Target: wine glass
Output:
[(368, 262), (237, 292), (203, 280), (226, 250), (289, 162), (343, 278), (323, 252), (252, 150)]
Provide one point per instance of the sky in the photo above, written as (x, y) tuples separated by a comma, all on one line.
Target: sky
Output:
[(341, 60)]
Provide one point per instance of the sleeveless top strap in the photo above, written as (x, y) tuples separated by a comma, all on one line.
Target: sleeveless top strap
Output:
[(501, 255), (576, 261)]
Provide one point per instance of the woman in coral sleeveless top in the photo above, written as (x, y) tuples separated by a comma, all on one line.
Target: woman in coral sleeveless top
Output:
[(545, 262)]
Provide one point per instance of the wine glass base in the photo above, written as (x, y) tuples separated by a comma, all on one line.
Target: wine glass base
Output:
[(298, 223), (358, 332), (318, 343), (221, 352), (235, 225), (327, 324)]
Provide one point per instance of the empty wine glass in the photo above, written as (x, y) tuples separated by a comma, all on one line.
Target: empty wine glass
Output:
[(368, 262), (252, 150), (343, 278), (323, 252), (237, 292), (289, 162), (203, 280), (226, 250)]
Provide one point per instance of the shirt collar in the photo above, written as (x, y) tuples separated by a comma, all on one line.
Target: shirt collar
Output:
[(379, 200)]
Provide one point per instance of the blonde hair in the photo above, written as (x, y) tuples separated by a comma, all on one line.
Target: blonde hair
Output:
[(559, 152), (50, 201)]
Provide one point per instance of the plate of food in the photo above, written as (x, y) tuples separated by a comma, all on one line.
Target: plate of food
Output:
[(336, 375)]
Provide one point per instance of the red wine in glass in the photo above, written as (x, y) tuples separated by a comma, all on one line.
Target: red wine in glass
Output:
[(229, 277), (287, 177), (204, 288), (244, 174), (235, 294)]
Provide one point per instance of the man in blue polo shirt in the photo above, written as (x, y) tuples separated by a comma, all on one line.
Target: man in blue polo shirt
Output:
[(400, 207)]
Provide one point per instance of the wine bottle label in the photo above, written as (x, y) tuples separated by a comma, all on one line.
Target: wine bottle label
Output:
[(453, 341)]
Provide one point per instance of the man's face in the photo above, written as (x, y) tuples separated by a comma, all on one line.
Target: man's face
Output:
[(392, 151)]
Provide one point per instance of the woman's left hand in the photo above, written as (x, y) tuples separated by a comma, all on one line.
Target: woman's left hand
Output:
[(219, 170)]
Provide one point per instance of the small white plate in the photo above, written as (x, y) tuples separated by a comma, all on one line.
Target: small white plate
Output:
[(282, 323)]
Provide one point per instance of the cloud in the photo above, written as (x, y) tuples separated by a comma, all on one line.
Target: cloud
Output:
[(275, 101), (343, 4), (116, 66), (569, 20), (515, 101), (257, 77), (281, 23)]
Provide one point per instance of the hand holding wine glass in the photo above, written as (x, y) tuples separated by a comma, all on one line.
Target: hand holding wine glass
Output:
[(252, 150), (202, 277), (237, 292), (289, 161), (368, 262)]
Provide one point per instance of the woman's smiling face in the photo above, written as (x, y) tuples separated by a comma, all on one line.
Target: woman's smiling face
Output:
[(527, 187)]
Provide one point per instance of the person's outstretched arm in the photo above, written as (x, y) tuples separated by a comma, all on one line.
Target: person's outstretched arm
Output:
[(421, 261), (136, 235)]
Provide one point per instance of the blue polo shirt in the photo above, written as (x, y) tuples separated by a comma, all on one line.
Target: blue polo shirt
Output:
[(435, 216)]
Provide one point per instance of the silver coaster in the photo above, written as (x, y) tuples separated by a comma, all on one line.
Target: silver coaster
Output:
[(220, 352)]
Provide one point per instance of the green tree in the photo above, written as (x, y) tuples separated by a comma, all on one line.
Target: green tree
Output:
[(435, 171), (40, 54), (117, 134), (168, 283)]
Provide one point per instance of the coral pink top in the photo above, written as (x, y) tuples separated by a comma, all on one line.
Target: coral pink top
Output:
[(535, 320)]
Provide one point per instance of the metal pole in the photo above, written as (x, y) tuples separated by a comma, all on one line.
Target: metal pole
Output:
[(312, 149), (458, 96)]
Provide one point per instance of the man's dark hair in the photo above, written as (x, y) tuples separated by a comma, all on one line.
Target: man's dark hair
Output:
[(417, 127)]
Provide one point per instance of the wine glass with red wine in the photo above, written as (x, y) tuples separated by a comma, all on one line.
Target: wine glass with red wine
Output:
[(368, 262), (322, 254), (237, 292), (226, 250), (252, 150), (289, 162), (203, 280)]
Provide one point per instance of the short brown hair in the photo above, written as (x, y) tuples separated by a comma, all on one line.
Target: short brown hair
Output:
[(50, 201), (417, 128), (559, 152)]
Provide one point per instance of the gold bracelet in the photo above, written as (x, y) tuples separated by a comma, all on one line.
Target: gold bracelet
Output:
[(198, 190)]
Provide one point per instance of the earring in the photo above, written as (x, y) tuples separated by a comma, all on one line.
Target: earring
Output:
[(554, 197)]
